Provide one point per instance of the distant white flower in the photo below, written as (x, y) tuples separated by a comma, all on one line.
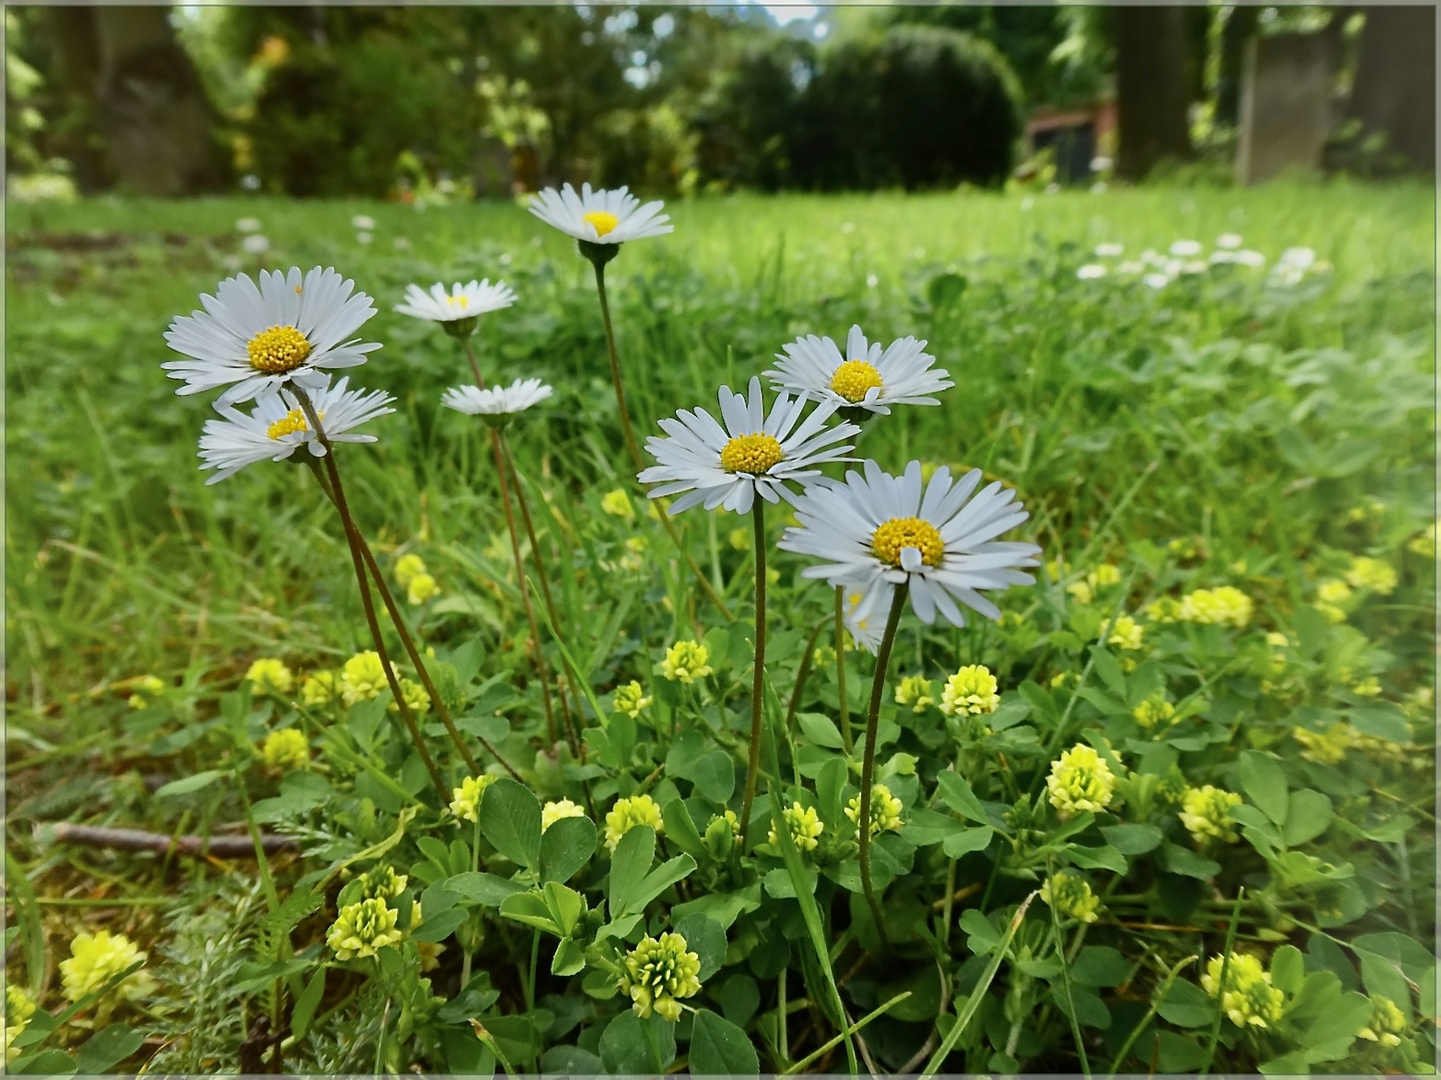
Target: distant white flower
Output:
[(363, 238), (277, 427), (1194, 266), (1250, 258), (247, 225), (1151, 258), (1156, 281), (1053, 188), (1297, 258), (872, 281), (496, 402), (255, 244), (1184, 249), (1229, 241), (600, 217), (1091, 271), (363, 222), (259, 338), (1221, 256), (939, 541), (1098, 188), (1100, 163), (867, 376), (1130, 266), (462, 302), (753, 453), (1109, 251), (401, 243)]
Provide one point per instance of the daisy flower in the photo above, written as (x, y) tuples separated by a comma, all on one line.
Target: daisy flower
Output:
[(753, 453), (939, 541), (600, 217), (278, 427), (866, 377), (496, 404), (260, 337), (462, 302)]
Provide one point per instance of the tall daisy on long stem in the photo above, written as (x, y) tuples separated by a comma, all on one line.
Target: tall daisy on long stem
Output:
[(711, 465), (892, 537), (600, 221)]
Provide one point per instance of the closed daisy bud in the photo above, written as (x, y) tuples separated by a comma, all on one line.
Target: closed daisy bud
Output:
[(363, 929), (552, 812), (286, 749), (805, 827), (95, 959), (915, 692), (1071, 897), (319, 689), (465, 800), (1080, 781), (1205, 811), (630, 699), (269, 674), (885, 810), (658, 972), (686, 661), (628, 813), (1247, 998), (1373, 574), (971, 691)]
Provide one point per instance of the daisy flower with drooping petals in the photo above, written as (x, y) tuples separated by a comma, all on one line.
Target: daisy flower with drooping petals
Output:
[(260, 337), (867, 376), (496, 404), (462, 302), (278, 427), (600, 217), (753, 453), (937, 539)]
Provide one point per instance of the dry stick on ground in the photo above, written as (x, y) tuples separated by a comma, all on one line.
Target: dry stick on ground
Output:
[(226, 847)]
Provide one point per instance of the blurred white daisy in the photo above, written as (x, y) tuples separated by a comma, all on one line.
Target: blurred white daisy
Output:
[(363, 222), (496, 404), (1091, 271), (600, 217), (255, 244), (261, 337), (1109, 251), (866, 377), (1185, 249), (935, 538), (277, 427), (727, 466), (247, 225), (1230, 241), (462, 302), (1131, 266), (1250, 258), (1156, 281)]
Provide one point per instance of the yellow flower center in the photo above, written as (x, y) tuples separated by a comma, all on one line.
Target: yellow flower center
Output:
[(604, 222), (897, 534), (278, 350), (853, 378), (751, 453), (463, 301), (288, 424)]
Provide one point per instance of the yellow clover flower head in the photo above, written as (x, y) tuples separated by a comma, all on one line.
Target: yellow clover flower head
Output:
[(1386, 1026), (552, 812), (1080, 781), (269, 674), (1155, 709), (1424, 543), (385, 883), (626, 814), (465, 800), (363, 929), (1127, 634), (617, 504), (1103, 575), (1071, 897), (1333, 591), (1248, 997), (145, 690), (658, 973), (805, 826), (915, 691), (1373, 574), (286, 749), (1205, 811), (1166, 609), (686, 661), (362, 678), (421, 588), (739, 539), (1323, 747), (1224, 605), (415, 697), (885, 810), (630, 699), (98, 957), (320, 688), (18, 1011), (970, 692), (407, 568), (1081, 591)]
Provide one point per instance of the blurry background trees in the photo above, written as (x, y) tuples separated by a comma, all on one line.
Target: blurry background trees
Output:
[(431, 102)]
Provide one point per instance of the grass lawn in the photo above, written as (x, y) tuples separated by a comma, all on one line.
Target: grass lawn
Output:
[(1267, 429)]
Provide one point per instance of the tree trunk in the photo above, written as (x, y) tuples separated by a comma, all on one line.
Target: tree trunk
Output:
[(1239, 26), (1395, 88), (1151, 98)]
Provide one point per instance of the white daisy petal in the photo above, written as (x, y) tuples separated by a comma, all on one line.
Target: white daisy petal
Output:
[(498, 401), (866, 377), (600, 217), (462, 302)]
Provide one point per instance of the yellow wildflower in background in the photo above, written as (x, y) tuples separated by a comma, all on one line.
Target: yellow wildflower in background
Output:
[(416, 699), (1166, 609), (686, 661), (617, 504), (739, 539), (465, 800), (626, 814), (971, 691), (658, 972), (1333, 591), (421, 588), (1081, 592), (1205, 811), (1424, 543), (146, 689), (1225, 605), (287, 749), (407, 568), (1103, 576), (1373, 574), (1367, 687), (885, 810), (1080, 781), (97, 958), (1386, 1026), (630, 699), (385, 883), (1324, 748), (915, 692), (1153, 710), (552, 812), (362, 677), (270, 673), (319, 689), (363, 929), (635, 548), (804, 824), (1127, 633), (1071, 897), (18, 1011), (1248, 997)]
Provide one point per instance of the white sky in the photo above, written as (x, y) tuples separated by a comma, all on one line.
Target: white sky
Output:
[(785, 13)]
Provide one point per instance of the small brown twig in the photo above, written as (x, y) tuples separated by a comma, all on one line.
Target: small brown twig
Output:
[(228, 847)]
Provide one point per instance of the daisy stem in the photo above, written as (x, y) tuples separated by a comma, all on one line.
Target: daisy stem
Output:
[(868, 763), (803, 672), (758, 683), (701, 579), (845, 705)]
